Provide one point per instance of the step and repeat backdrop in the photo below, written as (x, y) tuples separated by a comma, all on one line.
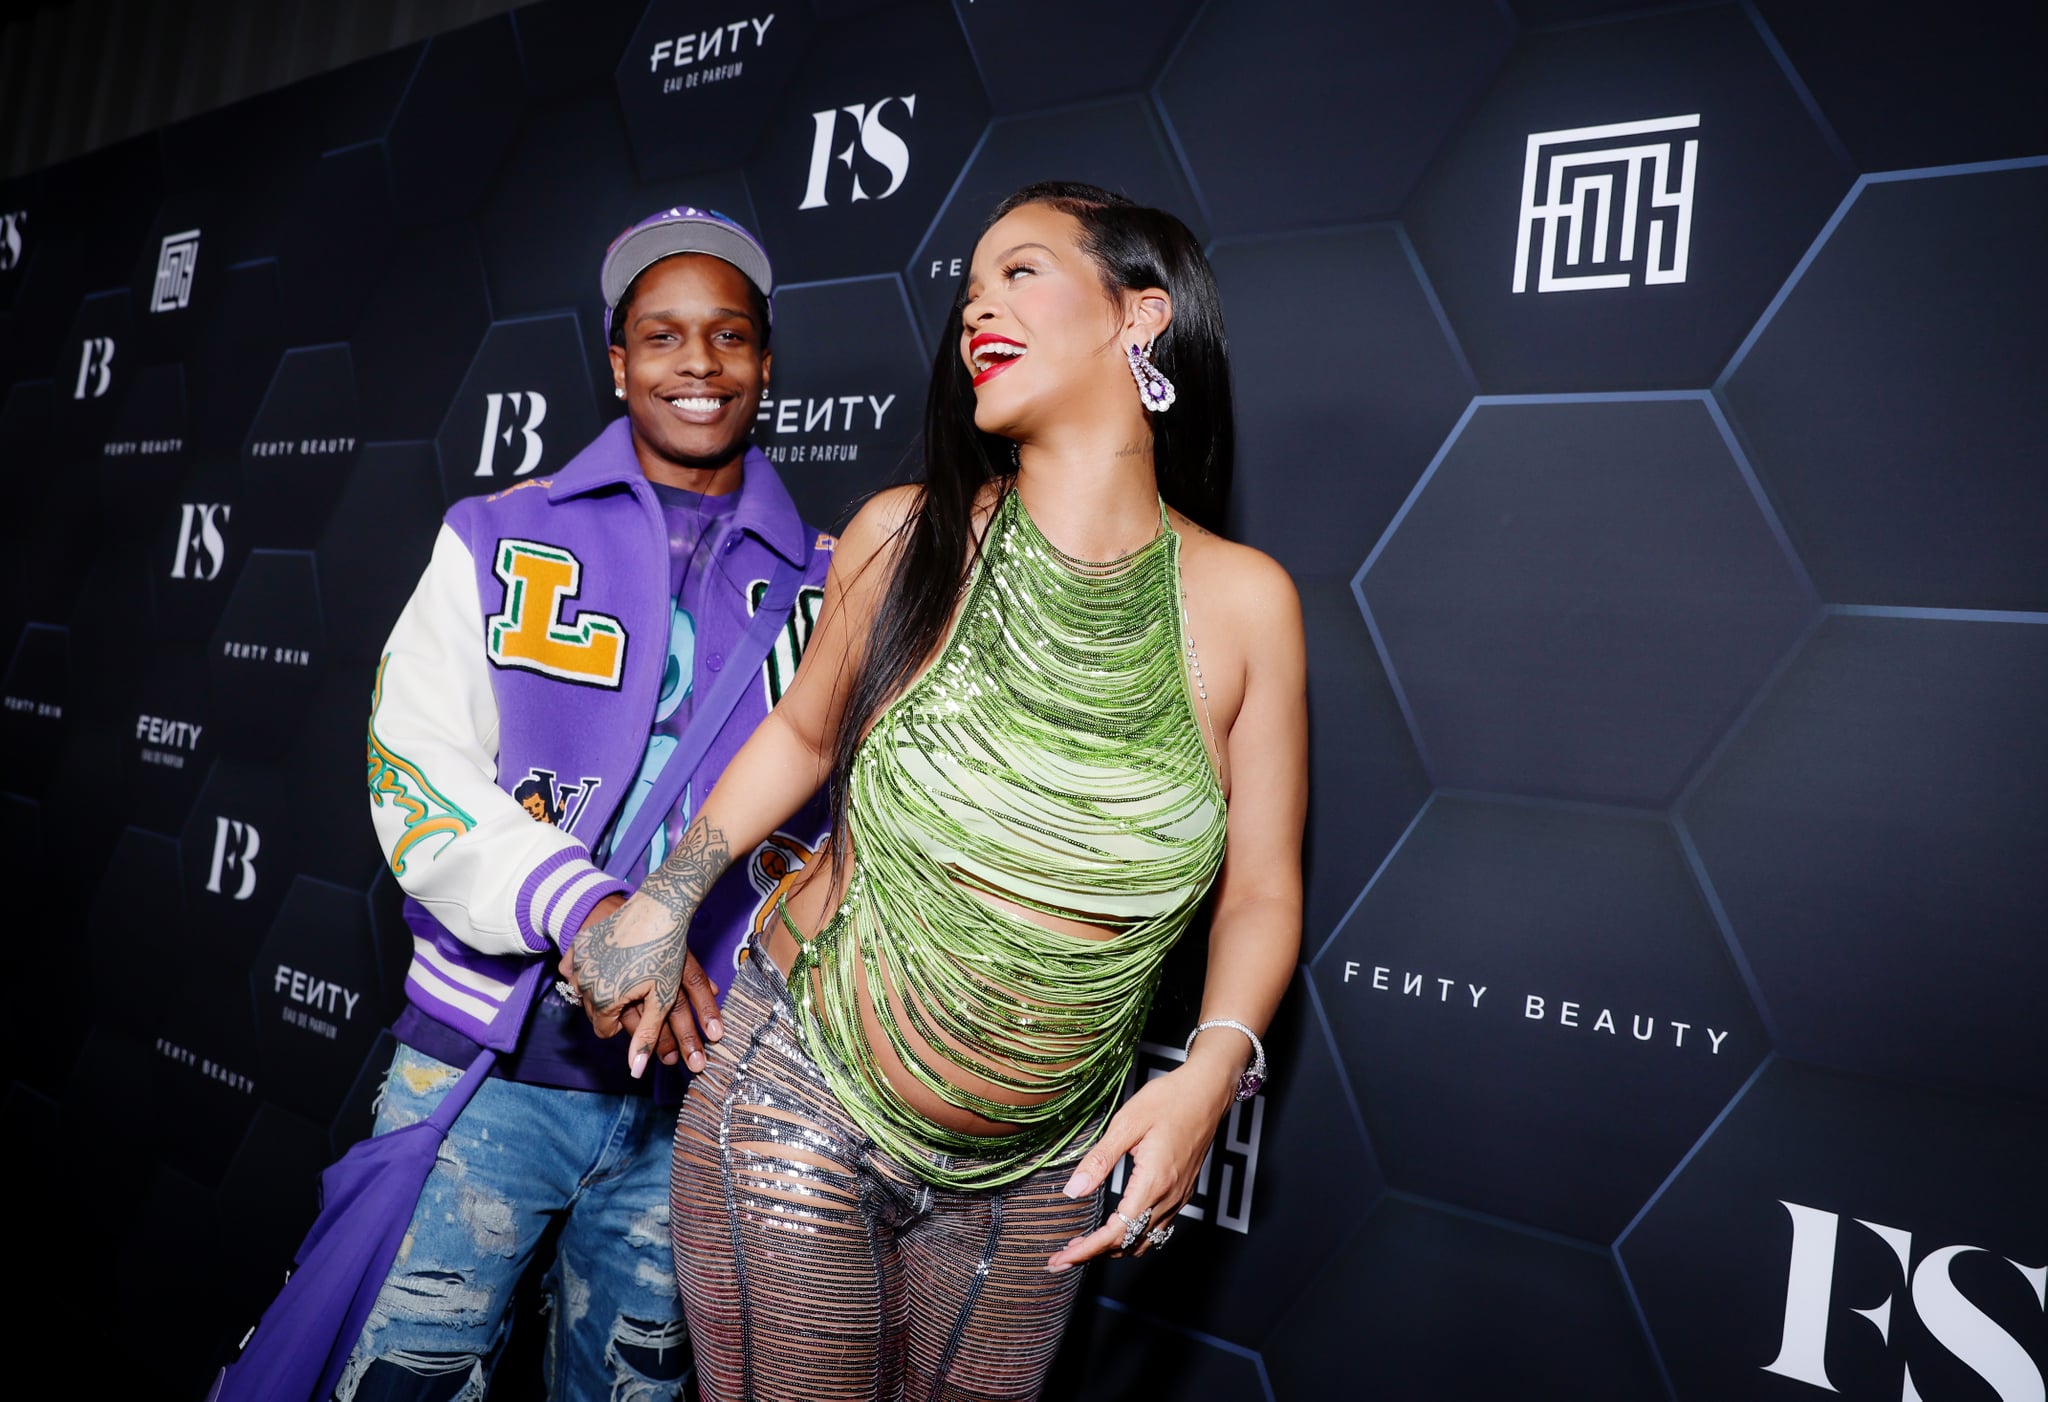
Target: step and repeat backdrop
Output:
[(1649, 403)]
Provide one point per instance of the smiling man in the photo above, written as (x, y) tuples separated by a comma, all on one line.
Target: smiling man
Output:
[(529, 697)]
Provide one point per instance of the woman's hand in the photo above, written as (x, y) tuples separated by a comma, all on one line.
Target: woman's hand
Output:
[(1166, 1128), (630, 968)]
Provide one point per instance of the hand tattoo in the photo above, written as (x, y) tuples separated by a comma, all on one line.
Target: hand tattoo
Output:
[(647, 942)]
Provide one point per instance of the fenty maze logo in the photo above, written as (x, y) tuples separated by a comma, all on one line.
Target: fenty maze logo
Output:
[(1956, 1322), (176, 262), (871, 136), (1572, 181)]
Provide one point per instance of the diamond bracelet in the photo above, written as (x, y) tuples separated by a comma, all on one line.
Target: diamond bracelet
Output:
[(1254, 1076)]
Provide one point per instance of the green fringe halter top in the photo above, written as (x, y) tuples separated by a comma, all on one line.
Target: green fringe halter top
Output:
[(1050, 756)]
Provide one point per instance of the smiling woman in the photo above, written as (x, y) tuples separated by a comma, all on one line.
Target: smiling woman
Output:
[(1045, 692)]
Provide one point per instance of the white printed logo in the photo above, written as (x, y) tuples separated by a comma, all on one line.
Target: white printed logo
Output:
[(1955, 1323), (1224, 1186), (877, 141), (533, 406), (692, 50), (1570, 186), (10, 238), (235, 846), (176, 261), (95, 366), (199, 528)]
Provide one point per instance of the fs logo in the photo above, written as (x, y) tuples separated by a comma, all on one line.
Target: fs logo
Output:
[(199, 526), (95, 366), (10, 239), (235, 846), (1955, 1322), (176, 262), (529, 412), (876, 140), (1223, 1189), (1571, 180)]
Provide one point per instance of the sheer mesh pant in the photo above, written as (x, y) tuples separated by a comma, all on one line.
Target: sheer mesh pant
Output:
[(815, 1268)]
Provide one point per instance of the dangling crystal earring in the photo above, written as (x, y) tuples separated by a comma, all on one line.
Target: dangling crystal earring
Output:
[(1155, 391)]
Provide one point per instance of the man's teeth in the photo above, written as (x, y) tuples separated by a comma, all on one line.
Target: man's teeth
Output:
[(986, 355), (698, 406)]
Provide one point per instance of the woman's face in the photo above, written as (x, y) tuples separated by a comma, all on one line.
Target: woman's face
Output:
[(1038, 334)]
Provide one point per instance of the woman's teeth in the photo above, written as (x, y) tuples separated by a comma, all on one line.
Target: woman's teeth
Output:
[(992, 353)]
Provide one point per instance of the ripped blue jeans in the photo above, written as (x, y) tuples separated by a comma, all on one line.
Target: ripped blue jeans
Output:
[(519, 1156)]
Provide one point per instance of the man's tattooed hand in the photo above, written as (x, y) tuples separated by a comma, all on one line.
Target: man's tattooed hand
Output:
[(639, 956)]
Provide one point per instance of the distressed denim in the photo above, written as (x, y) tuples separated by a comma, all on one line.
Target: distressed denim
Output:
[(518, 1157)]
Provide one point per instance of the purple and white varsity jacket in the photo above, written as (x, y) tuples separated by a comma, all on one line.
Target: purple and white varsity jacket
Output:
[(513, 704)]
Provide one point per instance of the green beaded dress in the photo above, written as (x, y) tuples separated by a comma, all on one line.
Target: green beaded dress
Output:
[(1052, 756)]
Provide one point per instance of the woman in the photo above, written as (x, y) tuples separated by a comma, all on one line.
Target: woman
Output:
[(1044, 691)]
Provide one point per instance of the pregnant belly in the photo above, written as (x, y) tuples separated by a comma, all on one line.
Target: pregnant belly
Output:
[(812, 907)]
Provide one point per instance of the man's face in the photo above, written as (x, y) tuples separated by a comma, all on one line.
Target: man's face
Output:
[(537, 806), (692, 365)]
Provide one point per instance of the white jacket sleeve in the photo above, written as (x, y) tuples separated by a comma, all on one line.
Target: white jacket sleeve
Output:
[(460, 845)]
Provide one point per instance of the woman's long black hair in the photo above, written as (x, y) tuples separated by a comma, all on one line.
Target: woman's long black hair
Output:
[(1193, 443)]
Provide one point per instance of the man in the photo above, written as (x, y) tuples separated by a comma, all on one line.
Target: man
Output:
[(526, 704)]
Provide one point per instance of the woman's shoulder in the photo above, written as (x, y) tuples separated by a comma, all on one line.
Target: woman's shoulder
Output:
[(1244, 579)]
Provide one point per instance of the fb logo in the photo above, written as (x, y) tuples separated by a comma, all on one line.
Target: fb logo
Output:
[(529, 412), (878, 141), (235, 846), (199, 529), (176, 261), (1571, 182), (95, 366), (527, 631), (1951, 1318), (10, 238)]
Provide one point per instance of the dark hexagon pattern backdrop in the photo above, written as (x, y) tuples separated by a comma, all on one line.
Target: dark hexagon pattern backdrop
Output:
[(1649, 402)]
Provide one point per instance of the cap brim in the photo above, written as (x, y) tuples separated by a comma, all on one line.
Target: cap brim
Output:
[(642, 248)]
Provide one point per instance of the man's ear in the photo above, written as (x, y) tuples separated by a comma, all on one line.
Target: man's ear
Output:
[(618, 356)]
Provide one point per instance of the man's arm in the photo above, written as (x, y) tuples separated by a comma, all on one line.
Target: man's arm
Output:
[(457, 842)]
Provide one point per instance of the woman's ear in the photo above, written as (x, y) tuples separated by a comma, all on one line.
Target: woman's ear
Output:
[(1150, 313)]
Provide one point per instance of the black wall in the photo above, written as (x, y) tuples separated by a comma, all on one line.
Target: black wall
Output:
[(1670, 1020)]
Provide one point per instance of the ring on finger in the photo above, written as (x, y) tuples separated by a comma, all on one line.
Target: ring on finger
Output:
[(1159, 1236), (1134, 1227)]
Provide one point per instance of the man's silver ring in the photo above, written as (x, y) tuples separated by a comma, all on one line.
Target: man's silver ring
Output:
[(1134, 1227), (1158, 1237), (567, 993)]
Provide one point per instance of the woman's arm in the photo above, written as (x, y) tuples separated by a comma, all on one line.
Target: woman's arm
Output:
[(632, 965), (1254, 931)]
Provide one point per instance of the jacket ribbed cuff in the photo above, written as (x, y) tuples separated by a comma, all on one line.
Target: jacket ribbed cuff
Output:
[(558, 896)]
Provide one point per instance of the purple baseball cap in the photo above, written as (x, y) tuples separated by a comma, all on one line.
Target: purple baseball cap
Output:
[(683, 229)]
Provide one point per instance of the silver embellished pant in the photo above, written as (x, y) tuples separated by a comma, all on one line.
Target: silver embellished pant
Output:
[(814, 1268)]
